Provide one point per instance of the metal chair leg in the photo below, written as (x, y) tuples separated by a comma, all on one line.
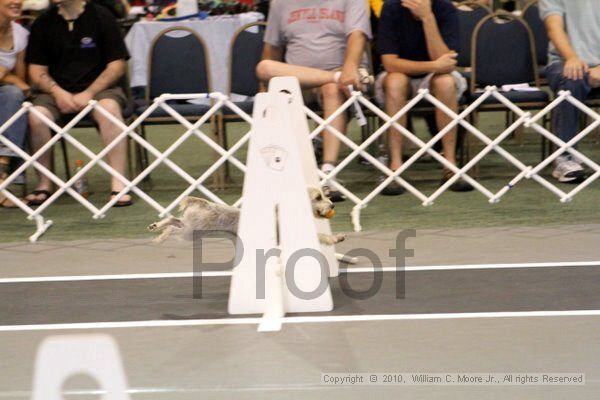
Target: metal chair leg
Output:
[(63, 145)]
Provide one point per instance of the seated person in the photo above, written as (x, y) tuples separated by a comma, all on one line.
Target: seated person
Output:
[(324, 45), (13, 88), (574, 65), (76, 53), (416, 41)]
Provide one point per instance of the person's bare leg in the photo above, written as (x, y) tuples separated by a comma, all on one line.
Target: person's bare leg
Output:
[(4, 173), (308, 77), (397, 90), (39, 135), (333, 99), (117, 157), (443, 87)]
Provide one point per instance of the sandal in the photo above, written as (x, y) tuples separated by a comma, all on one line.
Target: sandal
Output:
[(121, 203), (34, 202)]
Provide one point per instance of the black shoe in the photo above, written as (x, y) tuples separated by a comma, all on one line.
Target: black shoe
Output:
[(459, 186), (392, 189)]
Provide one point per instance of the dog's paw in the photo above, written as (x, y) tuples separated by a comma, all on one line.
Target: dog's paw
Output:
[(340, 237), (330, 240), (153, 227)]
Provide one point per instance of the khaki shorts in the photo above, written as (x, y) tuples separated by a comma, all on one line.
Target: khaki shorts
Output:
[(418, 83), (47, 101)]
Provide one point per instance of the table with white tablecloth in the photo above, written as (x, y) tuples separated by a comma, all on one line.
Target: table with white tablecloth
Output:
[(216, 32)]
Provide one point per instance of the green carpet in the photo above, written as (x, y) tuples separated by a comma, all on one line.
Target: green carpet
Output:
[(527, 204)]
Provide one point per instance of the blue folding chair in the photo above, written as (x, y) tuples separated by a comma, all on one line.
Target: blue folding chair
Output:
[(178, 63), (531, 15), (503, 53)]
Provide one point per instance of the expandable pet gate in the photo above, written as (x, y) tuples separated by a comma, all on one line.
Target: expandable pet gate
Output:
[(218, 101)]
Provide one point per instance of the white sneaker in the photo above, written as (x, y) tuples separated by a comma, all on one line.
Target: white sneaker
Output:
[(567, 170)]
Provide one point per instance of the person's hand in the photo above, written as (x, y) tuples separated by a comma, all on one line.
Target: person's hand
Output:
[(349, 76), (82, 99), (25, 88), (446, 63), (594, 77), (64, 101), (419, 8), (575, 68)]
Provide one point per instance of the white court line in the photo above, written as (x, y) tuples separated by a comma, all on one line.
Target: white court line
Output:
[(213, 274), (295, 320)]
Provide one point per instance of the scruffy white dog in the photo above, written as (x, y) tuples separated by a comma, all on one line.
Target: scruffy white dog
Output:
[(200, 214)]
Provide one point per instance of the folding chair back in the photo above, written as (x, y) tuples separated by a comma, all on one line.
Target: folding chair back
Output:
[(531, 14), (178, 64), (503, 52), (245, 53), (469, 15)]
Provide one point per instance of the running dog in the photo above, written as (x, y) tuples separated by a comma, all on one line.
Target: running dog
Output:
[(200, 214)]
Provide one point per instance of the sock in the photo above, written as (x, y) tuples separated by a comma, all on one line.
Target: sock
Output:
[(327, 167)]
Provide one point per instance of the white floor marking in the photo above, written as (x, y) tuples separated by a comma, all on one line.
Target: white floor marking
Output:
[(296, 320), (213, 274)]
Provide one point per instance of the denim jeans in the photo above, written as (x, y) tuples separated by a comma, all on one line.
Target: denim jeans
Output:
[(11, 99), (565, 120)]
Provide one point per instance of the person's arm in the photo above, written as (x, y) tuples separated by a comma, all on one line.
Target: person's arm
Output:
[(17, 77), (40, 77), (271, 52), (3, 72), (112, 73), (443, 65), (575, 68), (436, 47), (594, 77), (355, 49)]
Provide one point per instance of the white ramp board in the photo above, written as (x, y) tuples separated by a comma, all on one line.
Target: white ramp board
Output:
[(61, 357), (277, 214), (291, 86)]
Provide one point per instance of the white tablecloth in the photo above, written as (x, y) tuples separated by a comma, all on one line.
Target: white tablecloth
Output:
[(216, 32)]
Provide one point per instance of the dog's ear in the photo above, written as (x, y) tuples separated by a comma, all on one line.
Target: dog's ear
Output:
[(314, 192)]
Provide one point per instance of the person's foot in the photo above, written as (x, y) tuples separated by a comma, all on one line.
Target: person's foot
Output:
[(568, 171), (124, 201), (392, 189), (459, 186), (38, 197), (5, 202)]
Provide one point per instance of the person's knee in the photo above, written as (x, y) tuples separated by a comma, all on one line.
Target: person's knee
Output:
[(265, 70), (575, 86), (396, 85), (443, 85), (112, 107), (36, 123), (12, 94), (558, 81), (331, 92)]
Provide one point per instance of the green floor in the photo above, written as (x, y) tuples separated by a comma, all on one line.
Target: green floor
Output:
[(528, 204)]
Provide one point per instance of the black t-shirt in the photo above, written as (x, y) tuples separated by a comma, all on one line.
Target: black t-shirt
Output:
[(400, 33), (76, 58)]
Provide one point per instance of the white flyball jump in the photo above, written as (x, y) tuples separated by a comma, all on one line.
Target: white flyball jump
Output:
[(283, 267), (62, 357)]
